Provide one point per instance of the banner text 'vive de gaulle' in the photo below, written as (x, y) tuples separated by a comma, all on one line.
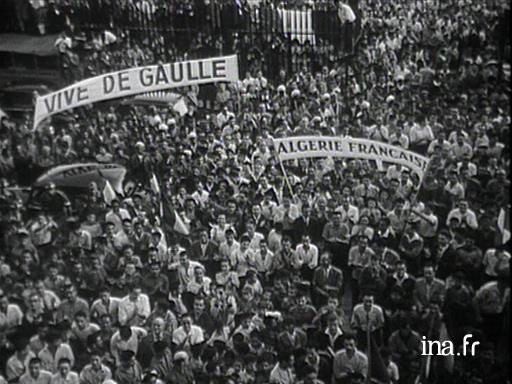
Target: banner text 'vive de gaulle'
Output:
[(291, 148), (134, 81)]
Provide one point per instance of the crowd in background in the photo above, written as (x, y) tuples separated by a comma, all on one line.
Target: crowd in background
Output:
[(265, 276)]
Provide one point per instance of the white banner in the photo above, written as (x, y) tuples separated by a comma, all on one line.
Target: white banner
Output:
[(133, 81), (291, 148), (79, 175)]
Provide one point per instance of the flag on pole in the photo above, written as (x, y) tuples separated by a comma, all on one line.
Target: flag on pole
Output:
[(504, 224), (434, 368), (171, 219), (179, 226), (447, 361), (346, 14), (108, 192), (181, 107), (378, 370), (155, 186)]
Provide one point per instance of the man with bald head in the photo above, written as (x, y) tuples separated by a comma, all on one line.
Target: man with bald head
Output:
[(146, 348)]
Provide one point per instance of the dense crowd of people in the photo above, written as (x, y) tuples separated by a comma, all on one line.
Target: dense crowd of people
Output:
[(235, 268)]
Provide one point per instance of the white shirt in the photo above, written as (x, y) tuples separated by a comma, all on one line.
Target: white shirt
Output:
[(43, 378), (195, 287), (394, 173), (50, 300), (445, 145), (360, 320), (98, 308), (186, 274), (351, 213), (255, 241), (307, 257), (121, 239), (279, 375), (50, 362), (293, 213), (109, 37), (117, 345), (491, 262), (263, 263), (428, 229), (200, 197), (392, 369), (15, 367), (228, 251), (12, 317), (181, 338), (468, 218), (117, 218), (63, 43), (71, 378), (128, 310)]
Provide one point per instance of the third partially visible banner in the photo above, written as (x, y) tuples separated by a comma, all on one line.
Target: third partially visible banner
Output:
[(291, 148)]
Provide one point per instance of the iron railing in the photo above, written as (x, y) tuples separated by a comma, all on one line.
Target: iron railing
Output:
[(266, 36)]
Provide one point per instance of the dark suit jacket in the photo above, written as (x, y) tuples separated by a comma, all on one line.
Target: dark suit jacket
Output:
[(333, 278), (197, 253), (261, 225), (287, 344), (145, 351), (446, 262), (300, 228), (323, 341), (437, 292)]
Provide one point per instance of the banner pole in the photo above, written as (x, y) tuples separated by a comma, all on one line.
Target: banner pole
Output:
[(415, 198), (368, 348), (287, 180), (283, 170)]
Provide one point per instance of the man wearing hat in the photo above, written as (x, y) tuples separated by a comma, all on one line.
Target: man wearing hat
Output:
[(140, 163), (22, 243), (152, 377), (54, 200)]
